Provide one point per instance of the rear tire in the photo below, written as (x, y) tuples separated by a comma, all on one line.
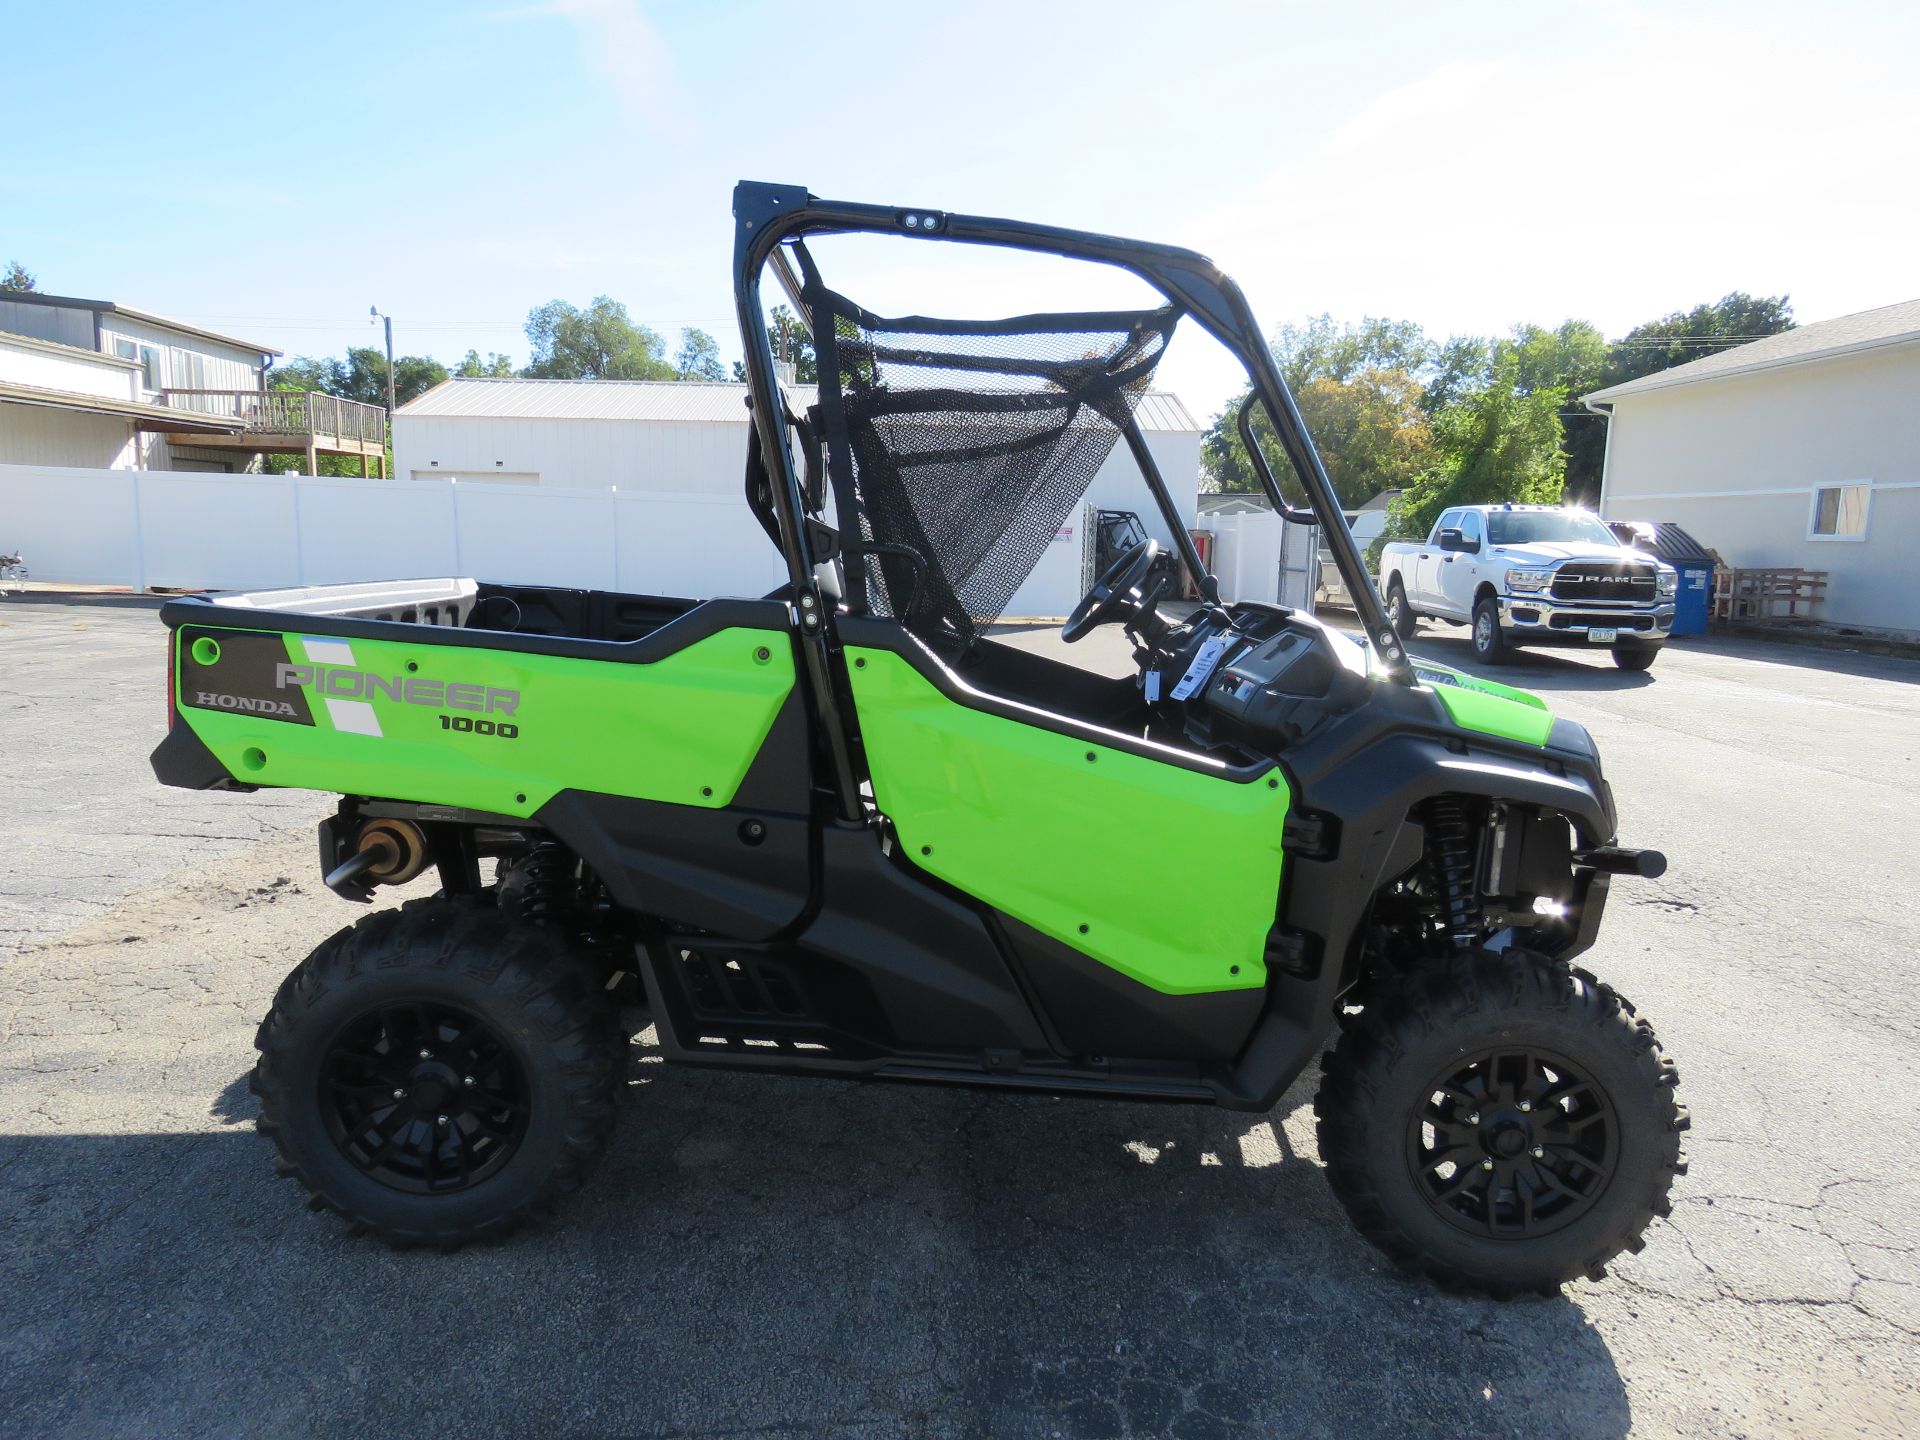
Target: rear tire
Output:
[(1635, 657), (1489, 642), (1400, 614), (438, 1074), (1439, 1063)]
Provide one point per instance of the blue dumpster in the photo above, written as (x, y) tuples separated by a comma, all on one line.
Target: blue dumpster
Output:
[(1688, 556)]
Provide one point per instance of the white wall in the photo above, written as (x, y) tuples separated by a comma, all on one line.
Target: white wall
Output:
[(42, 435), (222, 366), (48, 366), (1736, 461), (233, 532), (671, 456)]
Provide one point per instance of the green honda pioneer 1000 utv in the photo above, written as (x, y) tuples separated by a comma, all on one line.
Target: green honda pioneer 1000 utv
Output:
[(841, 830)]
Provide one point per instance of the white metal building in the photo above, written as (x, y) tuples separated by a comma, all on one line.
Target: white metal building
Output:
[(1801, 449), (684, 445)]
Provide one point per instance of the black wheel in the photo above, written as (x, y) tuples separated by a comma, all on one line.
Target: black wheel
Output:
[(1502, 1123), (438, 1074), (1635, 657), (1489, 644), (1400, 614)]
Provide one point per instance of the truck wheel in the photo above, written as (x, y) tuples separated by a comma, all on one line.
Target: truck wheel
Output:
[(436, 1075), (1400, 614), (1489, 643), (1635, 657), (1503, 1123)]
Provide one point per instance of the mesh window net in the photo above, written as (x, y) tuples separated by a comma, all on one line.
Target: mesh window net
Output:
[(957, 449)]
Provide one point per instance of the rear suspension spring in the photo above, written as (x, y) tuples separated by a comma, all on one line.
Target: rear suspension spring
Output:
[(540, 887), (1452, 852)]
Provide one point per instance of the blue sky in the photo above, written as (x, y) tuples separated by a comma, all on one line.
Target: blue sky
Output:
[(273, 171)]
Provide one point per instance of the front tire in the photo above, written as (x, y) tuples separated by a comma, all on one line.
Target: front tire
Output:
[(1399, 613), (1502, 1123), (437, 1074), (1635, 657), (1489, 642)]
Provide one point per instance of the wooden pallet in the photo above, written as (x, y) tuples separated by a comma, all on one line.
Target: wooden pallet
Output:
[(1786, 595)]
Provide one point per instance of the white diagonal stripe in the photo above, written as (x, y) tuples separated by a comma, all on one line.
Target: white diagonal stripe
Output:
[(354, 717), (322, 651)]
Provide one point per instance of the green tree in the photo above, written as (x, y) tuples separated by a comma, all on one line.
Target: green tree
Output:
[(1323, 350), (1369, 429), (1359, 390), (1501, 442), (699, 356), (361, 376), (1460, 366), (17, 279), (1675, 339), (791, 344), (601, 342), (495, 367)]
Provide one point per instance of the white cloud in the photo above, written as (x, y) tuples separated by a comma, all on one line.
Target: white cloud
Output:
[(619, 41), (1663, 164)]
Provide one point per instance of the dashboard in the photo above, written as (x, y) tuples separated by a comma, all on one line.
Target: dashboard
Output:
[(1256, 677)]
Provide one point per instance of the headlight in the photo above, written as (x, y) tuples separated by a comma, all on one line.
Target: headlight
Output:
[(1667, 583), (1524, 581)]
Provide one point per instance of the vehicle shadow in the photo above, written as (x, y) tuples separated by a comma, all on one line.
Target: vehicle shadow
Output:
[(1533, 669), (784, 1257)]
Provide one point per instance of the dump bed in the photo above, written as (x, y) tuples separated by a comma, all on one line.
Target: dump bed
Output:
[(486, 698)]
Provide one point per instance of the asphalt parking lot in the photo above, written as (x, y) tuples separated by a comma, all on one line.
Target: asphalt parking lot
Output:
[(766, 1257)]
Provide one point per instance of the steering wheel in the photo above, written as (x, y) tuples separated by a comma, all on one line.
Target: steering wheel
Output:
[(1114, 592)]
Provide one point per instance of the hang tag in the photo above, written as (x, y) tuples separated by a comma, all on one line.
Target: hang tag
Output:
[(1153, 686), (1202, 666)]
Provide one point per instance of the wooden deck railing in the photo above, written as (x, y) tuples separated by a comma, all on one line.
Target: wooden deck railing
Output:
[(301, 413)]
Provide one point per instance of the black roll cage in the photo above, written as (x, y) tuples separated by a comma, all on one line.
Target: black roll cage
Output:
[(767, 215)]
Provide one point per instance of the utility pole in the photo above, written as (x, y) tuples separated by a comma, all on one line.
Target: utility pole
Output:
[(374, 311)]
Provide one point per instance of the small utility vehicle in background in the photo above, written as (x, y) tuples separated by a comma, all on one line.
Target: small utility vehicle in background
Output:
[(1531, 575), (840, 830)]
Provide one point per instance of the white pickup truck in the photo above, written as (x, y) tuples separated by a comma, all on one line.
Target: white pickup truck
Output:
[(1531, 575)]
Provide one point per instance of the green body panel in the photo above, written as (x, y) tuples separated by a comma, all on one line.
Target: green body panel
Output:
[(1488, 706), (1167, 875), (682, 729)]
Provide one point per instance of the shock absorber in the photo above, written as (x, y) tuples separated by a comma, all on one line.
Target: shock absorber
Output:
[(1451, 850), (540, 887)]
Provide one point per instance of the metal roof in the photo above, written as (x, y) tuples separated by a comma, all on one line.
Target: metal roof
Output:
[(70, 302), (1822, 340), (683, 401)]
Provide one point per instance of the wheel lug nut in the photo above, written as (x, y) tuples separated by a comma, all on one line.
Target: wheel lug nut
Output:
[(399, 1094), (1526, 1107), (1486, 1164), (1539, 1153), (1474, 1118), (426, 1054), (467, 1081), (441, 1119)]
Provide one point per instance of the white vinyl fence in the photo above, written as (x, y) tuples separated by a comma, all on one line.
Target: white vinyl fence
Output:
[(179, 530)]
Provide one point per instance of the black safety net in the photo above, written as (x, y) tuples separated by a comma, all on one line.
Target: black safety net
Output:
[(958, 448)]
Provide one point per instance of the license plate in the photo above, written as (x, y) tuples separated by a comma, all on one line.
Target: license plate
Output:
[(1602, 637)]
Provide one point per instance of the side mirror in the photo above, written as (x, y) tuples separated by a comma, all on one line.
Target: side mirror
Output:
[(1451, 539)]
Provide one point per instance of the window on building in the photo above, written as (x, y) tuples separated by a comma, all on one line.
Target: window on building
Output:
[(1839, 512), (147, 357)]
